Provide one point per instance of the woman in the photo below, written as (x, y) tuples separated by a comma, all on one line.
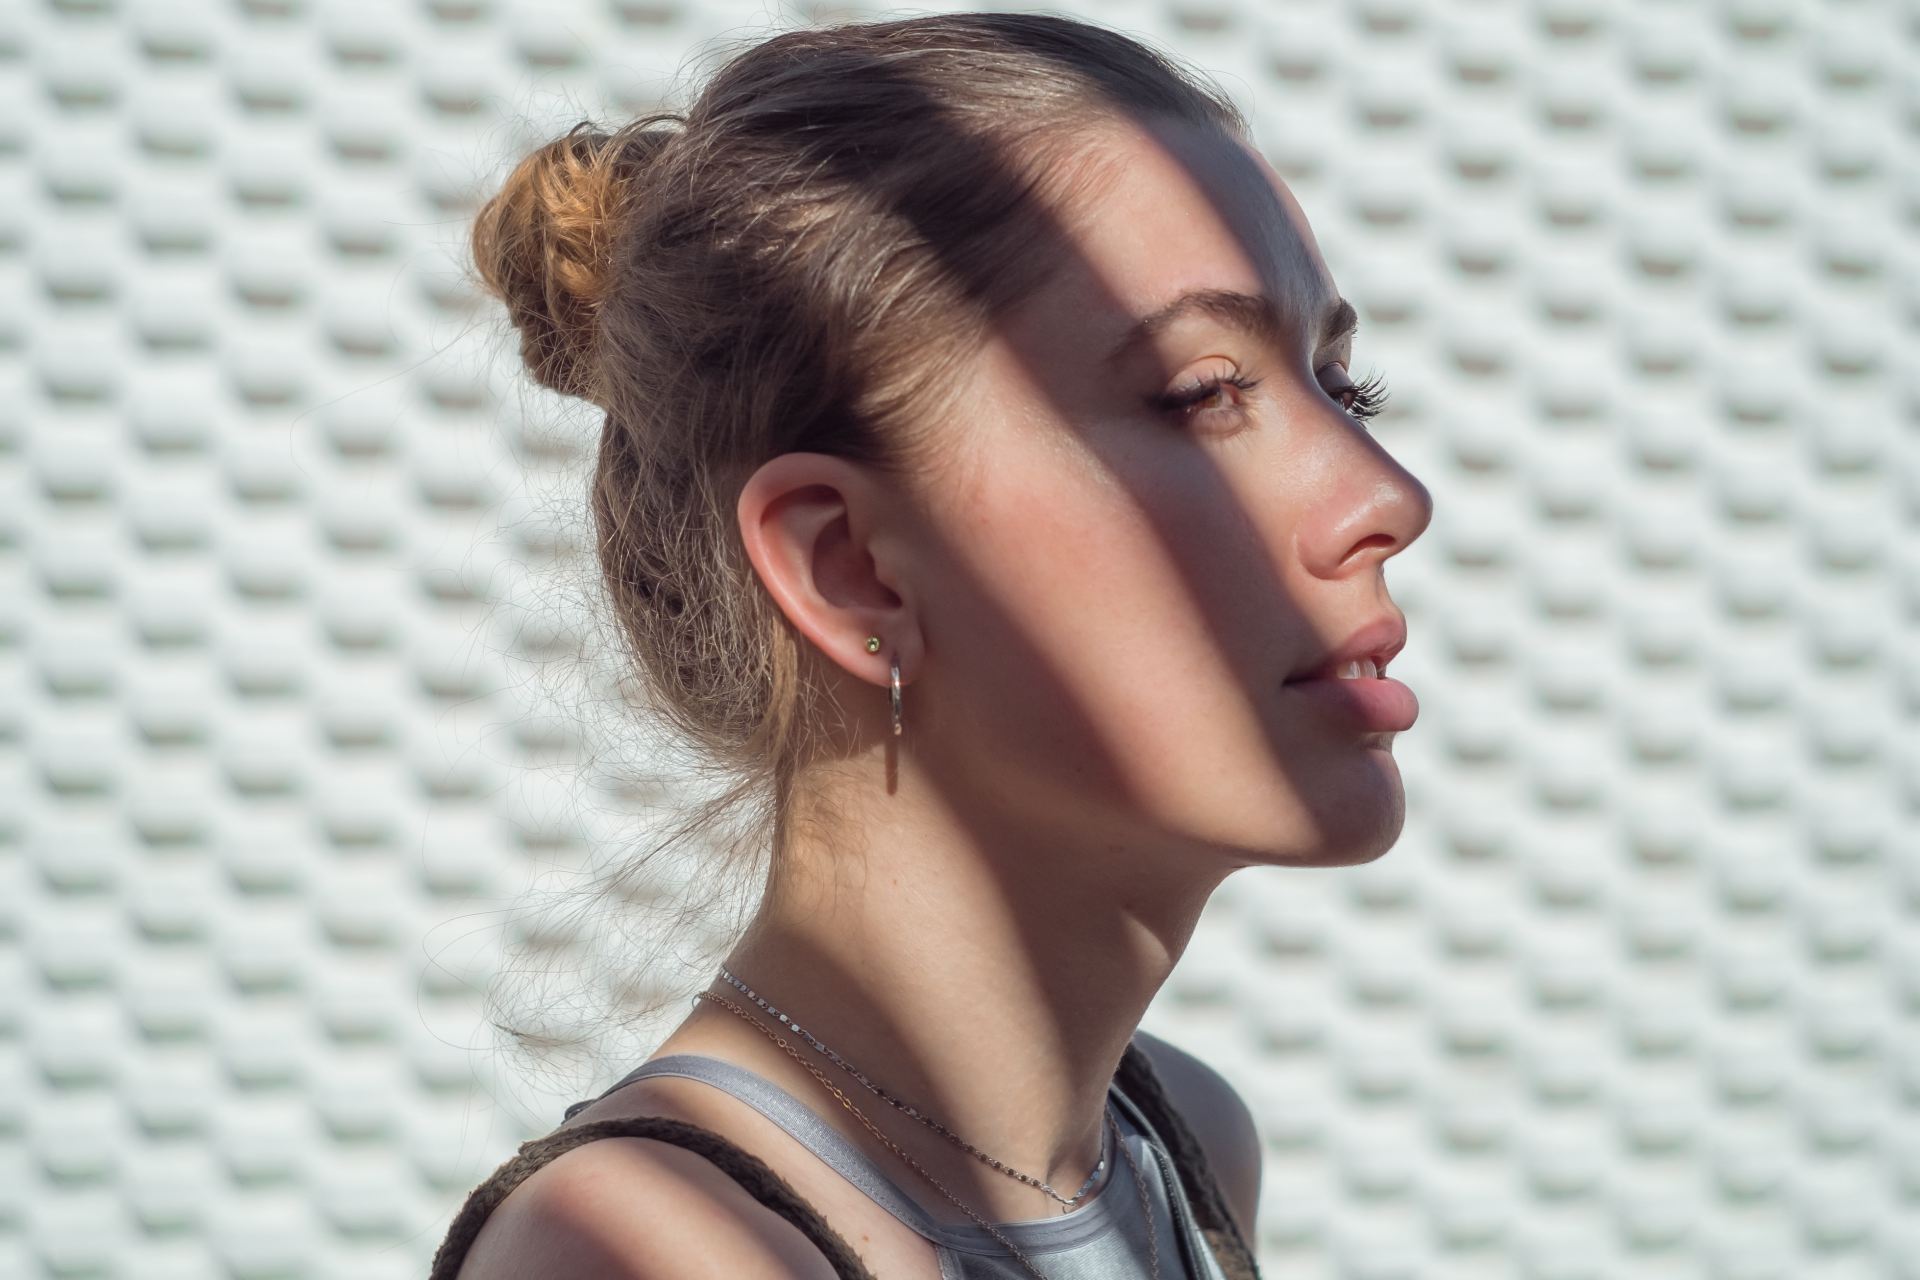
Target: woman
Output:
[(982, 477)]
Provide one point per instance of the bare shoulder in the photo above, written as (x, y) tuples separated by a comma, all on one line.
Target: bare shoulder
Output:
[(638, 1209), (1219, 1118)]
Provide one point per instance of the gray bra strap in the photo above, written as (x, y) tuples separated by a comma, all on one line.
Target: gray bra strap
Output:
[(1194, 1248), (826, 1142), (792, 1115)]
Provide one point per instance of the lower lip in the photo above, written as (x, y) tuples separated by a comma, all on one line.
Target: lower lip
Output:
[(1376, 703)]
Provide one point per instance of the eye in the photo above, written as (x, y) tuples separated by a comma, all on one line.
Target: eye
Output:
[(1368, 398), (1190, 402)]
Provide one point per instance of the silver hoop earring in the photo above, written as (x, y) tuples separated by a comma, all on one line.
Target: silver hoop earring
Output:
[(896, 695)]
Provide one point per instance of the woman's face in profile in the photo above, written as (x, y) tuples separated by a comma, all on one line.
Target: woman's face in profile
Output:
[(1143, 536)]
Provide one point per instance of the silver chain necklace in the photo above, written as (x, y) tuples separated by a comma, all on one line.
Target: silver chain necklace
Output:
[(914, 1112), (1140, 1186)]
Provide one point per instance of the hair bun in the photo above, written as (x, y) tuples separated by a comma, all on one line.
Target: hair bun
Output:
[(544, 245)]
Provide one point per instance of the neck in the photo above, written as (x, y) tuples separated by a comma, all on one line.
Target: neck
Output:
[(988, 973)]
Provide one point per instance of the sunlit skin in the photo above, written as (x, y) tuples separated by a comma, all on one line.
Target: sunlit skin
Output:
[(1094, 603)]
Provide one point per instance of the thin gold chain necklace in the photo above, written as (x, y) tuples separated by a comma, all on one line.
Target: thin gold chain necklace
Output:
[(1139, 1183)]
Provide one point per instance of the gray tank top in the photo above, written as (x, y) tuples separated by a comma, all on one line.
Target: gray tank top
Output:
[(1103, 1239)]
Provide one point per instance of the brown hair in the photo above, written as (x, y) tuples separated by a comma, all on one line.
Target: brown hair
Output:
[(798, 261)]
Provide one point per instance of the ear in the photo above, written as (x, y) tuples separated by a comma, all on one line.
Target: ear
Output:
[(814, 526)]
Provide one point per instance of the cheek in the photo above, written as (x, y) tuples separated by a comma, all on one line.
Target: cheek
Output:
[(1071, 555), (1123, 605)]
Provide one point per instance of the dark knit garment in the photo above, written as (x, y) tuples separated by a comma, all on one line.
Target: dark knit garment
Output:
[(1136, 1079)]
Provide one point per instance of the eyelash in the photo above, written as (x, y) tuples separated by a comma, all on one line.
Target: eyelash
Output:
[(1369, 397)]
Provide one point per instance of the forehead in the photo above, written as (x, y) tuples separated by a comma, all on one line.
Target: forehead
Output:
[(1176, 208)]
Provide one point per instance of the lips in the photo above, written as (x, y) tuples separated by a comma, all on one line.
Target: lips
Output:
[(1379, 640), (1381, 706)]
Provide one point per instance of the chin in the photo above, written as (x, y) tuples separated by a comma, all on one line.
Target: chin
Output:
[(1344, 848), (1358, 856)]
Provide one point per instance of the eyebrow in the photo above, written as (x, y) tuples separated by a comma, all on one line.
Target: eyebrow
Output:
[(1252, 314)]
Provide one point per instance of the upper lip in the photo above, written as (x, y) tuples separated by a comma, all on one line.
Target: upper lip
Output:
[(1379, 639)]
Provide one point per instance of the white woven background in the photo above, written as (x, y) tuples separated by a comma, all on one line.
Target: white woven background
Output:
[(285, 557)]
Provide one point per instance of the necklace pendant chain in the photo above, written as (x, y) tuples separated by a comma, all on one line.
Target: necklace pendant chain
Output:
[(1112, 1127), (915, 1112)]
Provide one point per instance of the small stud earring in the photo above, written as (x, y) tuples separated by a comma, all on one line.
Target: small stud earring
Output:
[(873, 644)]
